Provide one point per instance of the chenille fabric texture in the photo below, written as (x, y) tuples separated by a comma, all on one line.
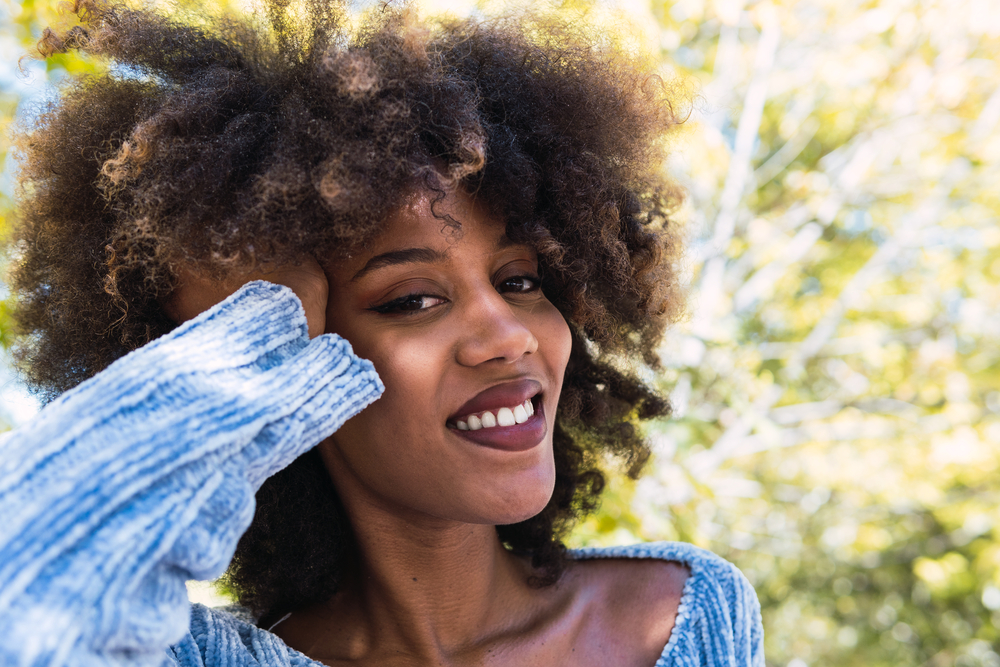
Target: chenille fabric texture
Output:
[(144, 477)]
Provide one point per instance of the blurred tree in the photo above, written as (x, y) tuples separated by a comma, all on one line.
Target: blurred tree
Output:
[(835, 387)]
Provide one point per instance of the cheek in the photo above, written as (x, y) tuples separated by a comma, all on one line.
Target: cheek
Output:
[(402, 361), (404, 364), (410, 372), (555, 341)]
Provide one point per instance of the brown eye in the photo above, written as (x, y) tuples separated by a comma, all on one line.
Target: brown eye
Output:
[(408, 304), (519, 284)]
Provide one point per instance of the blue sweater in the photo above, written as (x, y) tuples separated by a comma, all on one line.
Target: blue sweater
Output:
[(144, 477)]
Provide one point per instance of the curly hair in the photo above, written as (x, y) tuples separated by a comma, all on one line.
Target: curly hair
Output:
[(232, 142)]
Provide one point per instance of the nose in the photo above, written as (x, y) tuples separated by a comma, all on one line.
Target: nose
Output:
[(493, 330)]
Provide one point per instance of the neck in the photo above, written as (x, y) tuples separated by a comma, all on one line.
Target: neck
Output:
[(418, 586), (438, 587)]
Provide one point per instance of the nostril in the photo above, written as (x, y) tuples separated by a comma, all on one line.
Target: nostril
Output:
[(495, 340)]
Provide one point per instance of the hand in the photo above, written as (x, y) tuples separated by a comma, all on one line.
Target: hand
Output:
[(196, 293)]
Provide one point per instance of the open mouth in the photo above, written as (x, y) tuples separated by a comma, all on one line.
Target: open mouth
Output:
[(506, 416), (509, 416), (513, 428)]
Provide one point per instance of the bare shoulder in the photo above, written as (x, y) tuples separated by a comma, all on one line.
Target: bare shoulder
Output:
[(637, 589), (635, 600)]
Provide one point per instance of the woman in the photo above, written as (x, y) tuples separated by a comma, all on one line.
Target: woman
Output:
[(478, 209)]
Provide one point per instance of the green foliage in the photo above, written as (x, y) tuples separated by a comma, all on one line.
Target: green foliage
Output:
[(835, 386)]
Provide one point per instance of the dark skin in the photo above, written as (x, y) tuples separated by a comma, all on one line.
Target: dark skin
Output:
[(445, 319)]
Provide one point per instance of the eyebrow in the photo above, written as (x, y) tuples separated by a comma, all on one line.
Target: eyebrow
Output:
[(394, 257), (418, 256)]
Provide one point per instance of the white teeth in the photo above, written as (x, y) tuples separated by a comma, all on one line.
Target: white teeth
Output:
[(505, 417), (520, 414)]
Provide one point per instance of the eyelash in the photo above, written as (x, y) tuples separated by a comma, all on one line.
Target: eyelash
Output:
[(399, 305)]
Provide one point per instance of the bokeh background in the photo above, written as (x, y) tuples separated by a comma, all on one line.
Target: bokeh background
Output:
[(836, 382)]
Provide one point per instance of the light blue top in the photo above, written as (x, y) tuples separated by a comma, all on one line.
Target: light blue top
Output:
[(144, 477)]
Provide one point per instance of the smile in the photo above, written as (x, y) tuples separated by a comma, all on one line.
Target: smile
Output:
[(504, 417), (509, 416)]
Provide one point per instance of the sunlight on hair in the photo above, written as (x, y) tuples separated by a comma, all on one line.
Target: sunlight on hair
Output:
[(453, 7)]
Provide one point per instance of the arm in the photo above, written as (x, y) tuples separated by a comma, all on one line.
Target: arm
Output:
[(144, 476)]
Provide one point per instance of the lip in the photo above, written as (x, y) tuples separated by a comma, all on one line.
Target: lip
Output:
[(505, 395), (516, 438)]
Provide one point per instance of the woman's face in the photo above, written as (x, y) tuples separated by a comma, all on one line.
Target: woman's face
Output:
[(463, 338)]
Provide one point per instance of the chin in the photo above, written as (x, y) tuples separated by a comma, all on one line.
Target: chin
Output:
[(512, 519), (525, 503)]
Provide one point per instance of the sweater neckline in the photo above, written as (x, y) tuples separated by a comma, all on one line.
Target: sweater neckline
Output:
[(680, 552)]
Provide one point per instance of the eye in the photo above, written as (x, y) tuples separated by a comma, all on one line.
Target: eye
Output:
[(519, 284), (408, 304)]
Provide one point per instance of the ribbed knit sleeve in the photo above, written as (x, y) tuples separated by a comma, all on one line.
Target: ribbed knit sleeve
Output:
[(144, 476)]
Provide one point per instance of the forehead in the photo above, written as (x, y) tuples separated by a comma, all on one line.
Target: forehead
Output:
[(427, 219), (436, 218), (429, 227)]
